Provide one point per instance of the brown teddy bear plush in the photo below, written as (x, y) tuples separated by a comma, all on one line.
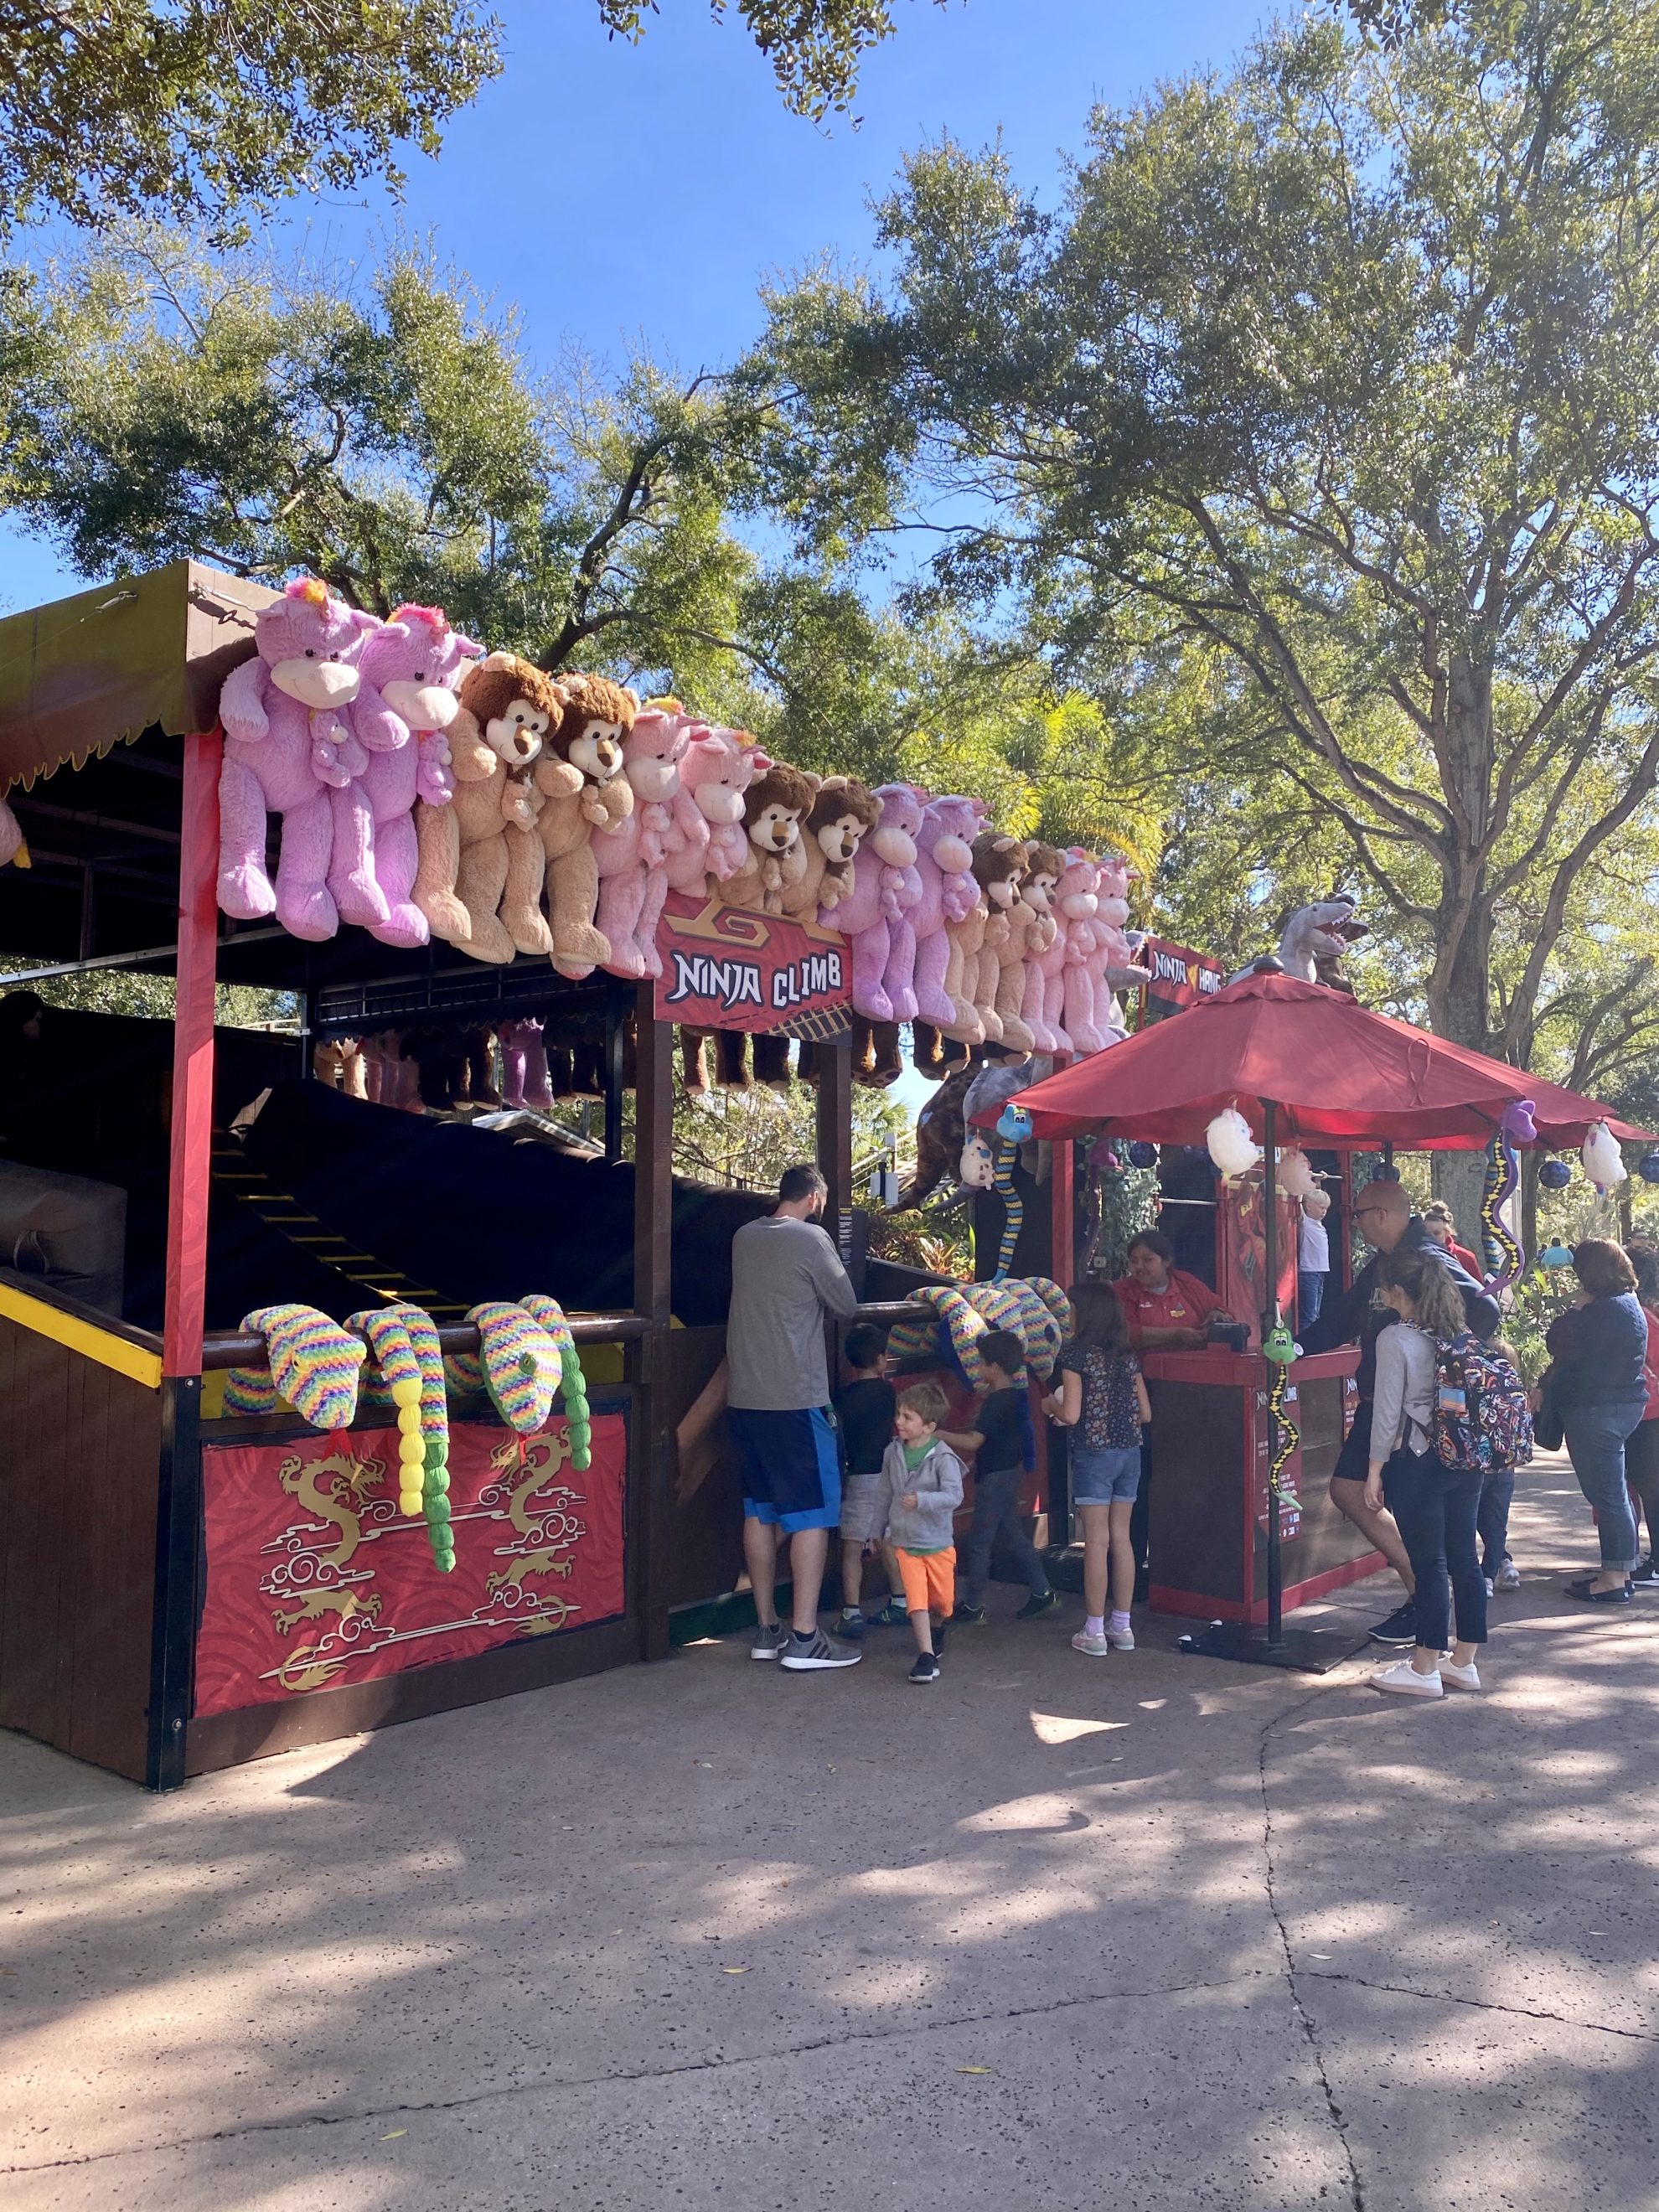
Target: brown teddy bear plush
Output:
[(585, 795), (479, 883), (819, 870), (1000, 869), (773, 808)]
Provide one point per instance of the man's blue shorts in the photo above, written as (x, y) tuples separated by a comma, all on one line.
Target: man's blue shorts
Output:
[(791, 1465)]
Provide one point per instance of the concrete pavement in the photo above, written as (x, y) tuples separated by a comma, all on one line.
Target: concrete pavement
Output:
[(1146, 1930)]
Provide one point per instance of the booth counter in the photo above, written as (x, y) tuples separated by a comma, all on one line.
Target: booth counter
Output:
[(1208, 1535)]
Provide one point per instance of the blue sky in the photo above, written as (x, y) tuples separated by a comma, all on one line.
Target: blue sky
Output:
[(622, 195)]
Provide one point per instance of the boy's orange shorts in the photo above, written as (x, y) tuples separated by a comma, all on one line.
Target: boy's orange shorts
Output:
[(929, 1580)]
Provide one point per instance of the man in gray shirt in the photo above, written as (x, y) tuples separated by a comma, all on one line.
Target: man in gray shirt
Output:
[(786, 1279)]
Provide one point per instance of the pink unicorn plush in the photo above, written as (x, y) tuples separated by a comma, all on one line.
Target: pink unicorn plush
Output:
[(410, 671), (950, 892), (718, 767), (875, 916), (634, 859), (286, 745)]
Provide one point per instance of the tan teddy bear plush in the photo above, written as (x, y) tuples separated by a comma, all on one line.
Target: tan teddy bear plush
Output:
[(585, 795), (479, 883), (773, 809), (819, 874)]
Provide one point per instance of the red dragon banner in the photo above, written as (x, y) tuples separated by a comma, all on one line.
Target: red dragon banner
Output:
[(314, 1576)]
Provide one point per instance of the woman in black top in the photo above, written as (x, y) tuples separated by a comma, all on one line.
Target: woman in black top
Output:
[(1598, 1349)]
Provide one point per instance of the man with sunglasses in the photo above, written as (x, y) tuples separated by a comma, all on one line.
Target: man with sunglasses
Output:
[(1382, 1214)]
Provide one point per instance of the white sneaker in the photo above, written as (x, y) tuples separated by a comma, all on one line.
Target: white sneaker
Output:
[(1488, 1582), (1459, 1678), (1096, 1646), (1404, 1681), (1508, 1577), (1120, 1639)]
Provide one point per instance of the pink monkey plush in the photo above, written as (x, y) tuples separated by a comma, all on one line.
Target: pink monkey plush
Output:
[(1079, 933), (949, 893), (875, 915), (410, 671), (286, 746), (718, 767), (633, 860)]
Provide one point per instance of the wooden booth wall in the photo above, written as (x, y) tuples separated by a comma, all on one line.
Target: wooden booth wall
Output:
[(78, 1485)]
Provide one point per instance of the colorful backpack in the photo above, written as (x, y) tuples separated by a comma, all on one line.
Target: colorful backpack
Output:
[(1481, 1417)]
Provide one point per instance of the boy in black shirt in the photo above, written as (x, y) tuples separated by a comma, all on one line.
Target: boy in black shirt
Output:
[(1005, 1449), (864, 1411)]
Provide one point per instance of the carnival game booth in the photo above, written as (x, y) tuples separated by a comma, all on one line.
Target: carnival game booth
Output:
[(326, 1413), (1242, 1529)]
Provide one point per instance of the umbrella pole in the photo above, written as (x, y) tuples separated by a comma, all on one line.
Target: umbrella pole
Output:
[(1270, 1321)]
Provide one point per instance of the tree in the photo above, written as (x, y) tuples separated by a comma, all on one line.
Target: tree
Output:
[(210, 110), (1326, 416)]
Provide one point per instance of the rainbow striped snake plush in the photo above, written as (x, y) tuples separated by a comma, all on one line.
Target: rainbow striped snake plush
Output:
[(1037, 1311)]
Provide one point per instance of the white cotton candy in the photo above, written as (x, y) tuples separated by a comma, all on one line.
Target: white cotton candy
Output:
[(1295, 1174), (1232, 1147), (1603, 1162)]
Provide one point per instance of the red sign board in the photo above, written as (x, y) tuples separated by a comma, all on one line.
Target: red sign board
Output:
[(314, 1576), (724, 968), (1179, 977)]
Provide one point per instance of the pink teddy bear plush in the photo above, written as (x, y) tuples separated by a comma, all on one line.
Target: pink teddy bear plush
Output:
[(1118, 967), (286, 746), (875, 915), (410, 671), (633, 860), (949, 893), (717, 767)]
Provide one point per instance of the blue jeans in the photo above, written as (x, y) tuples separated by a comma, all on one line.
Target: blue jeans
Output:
[(994, 1493), (1434, 1511), (1105, 1476), (1492, 1520), (1595, 1445), (1309, 1296)]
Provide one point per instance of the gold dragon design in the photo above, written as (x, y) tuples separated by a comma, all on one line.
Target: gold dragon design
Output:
[(345, 1484)]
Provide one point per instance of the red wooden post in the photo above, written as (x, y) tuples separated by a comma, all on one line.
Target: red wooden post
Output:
[(1062, 1200), (190, 1163)]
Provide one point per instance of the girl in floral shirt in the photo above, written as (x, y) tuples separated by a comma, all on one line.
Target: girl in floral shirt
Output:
[(1102, 1399)]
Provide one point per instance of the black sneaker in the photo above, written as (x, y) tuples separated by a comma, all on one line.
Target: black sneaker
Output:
[(968, 1616), (1035, 1607), (1400, 1627), (851, 1626), (1646, 1577), (926, 1668)]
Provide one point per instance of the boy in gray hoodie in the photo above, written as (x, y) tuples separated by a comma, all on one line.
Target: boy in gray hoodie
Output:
[(922, 1489)]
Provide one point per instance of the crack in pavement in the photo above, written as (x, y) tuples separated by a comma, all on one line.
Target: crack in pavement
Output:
[(1356, 2186), (323, 2120), (1486, 2004)]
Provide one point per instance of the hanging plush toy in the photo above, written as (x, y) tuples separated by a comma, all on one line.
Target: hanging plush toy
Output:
[(286, 747), (634, 861), (1503, 1254), (1036, 1310), (876, 913), (1604, 1163), (586, 800), (13, 845), (313, 1364), (944, 864), (404, 1341), (1232, 1146), (572, 1382)]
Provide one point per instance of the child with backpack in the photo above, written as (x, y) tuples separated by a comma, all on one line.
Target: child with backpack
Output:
[(1447, 1412)]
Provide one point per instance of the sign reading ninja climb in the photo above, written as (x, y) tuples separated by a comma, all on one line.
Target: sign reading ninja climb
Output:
[(727, 968)]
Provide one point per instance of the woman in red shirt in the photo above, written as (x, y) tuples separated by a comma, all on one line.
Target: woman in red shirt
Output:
[(1166, 1310)]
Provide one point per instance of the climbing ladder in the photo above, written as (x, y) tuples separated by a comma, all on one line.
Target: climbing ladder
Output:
[(281, 1211)]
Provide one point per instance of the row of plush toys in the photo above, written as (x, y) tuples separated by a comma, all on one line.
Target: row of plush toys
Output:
[(427, 789)]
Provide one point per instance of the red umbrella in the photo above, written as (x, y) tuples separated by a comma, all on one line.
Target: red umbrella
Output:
[(1336, 1075)]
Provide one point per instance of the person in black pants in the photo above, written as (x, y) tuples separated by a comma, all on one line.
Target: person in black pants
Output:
[(1383, 1213), (1434, 1506), (1005, 1449)]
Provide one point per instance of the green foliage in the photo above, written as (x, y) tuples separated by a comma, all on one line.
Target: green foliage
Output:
[(203, 109), (815, 46), (1317, 439), (151, 997)]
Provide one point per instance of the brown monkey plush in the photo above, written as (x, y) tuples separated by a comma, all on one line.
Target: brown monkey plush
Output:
[(585, 795), (773, 807), (481, 854), (819, 870), (999, 868)]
